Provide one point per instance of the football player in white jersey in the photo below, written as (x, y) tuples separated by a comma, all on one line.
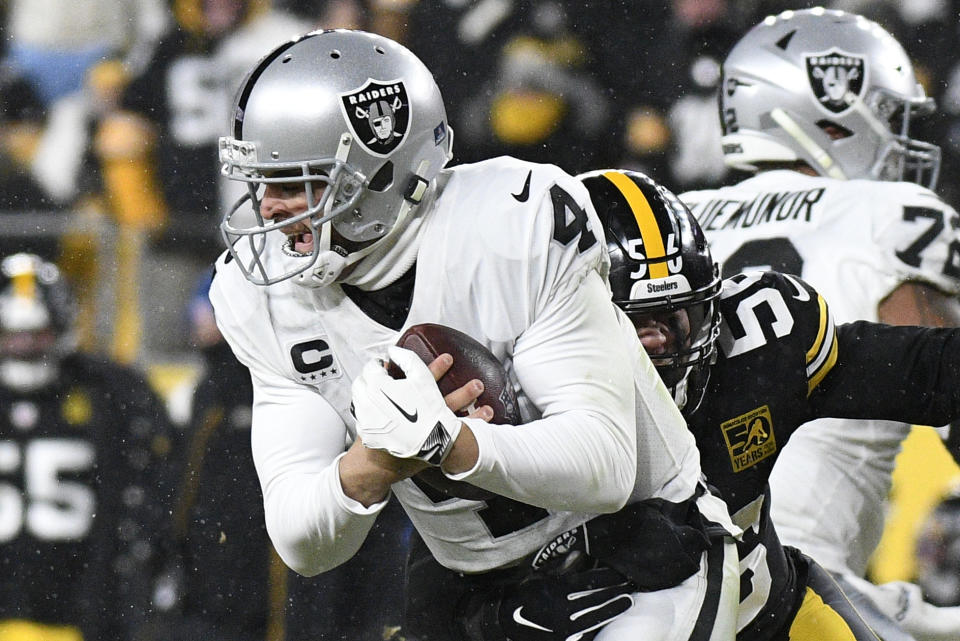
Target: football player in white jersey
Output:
[(818, 103), (355, 233)]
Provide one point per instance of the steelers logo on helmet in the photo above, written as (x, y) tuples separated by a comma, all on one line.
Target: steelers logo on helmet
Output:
[(661, 270), (378, 114), (653, 243), (834, 74)]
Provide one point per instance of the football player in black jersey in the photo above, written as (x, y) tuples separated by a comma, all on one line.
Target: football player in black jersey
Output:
[(749, 361), (82, 442)]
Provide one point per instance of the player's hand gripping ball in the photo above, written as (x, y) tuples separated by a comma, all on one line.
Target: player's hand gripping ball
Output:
[(406, 416), (471, 360)]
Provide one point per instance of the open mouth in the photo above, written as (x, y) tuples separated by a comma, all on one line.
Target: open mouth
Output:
[(302, 243), (299, 244)]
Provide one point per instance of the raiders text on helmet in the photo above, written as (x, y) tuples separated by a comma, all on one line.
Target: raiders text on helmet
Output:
[(360, 116), (831, 89), (660, 262)]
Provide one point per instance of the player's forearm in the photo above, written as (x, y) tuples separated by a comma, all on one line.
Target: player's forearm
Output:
[(313, 525), (575, 365), (297, 448), (464, 454), (908, 374), (366, 474), (577, 462), (917, 303)]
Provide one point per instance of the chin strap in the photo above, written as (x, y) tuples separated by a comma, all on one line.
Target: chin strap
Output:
[(328, 265), (379, 273), (388, 259)]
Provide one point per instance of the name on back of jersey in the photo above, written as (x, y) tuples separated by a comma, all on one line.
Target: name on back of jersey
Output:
[(771, 207)]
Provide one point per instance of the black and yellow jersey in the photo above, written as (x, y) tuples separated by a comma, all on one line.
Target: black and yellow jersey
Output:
[(782, 362), (81, 500)]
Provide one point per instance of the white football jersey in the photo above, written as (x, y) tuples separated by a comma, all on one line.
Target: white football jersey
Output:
[(510, 253), (855, 241)]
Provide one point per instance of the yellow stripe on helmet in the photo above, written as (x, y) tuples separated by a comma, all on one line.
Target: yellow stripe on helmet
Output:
[(24, 285), (646, 222)]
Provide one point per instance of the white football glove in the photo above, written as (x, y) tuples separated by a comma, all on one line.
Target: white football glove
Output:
[(407, 417)]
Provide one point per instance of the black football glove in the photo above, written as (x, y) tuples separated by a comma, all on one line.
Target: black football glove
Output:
[(563, 602)]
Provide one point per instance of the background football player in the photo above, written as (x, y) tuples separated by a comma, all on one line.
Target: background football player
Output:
[(82, 496), (749, 363), (818, 103), (353, 238)]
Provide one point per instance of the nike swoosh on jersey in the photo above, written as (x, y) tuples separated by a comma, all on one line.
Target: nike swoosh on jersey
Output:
[(525, 192), (410, 417), (522, 620)]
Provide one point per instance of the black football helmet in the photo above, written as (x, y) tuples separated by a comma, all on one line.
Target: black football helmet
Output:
[(36, 321), (660, 263)]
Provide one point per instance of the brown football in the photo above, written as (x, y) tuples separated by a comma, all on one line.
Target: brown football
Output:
[(470, 360)]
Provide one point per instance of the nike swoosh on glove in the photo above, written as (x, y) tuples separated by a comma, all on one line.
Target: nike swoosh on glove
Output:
[(572, 606), (406, 417), (569, 599)]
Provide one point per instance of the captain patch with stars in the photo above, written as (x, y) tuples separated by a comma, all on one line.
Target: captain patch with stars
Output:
[(379, 115)]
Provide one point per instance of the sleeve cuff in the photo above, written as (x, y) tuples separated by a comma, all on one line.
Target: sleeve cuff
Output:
[(480, 429), (349, 504)]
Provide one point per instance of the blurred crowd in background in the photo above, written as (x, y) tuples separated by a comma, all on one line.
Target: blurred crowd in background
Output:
[(110, 111)]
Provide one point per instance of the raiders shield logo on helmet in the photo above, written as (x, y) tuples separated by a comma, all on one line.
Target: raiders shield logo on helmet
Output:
[(379, 115), (833, 75)]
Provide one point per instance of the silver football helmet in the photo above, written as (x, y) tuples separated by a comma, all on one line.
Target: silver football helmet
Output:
[(355, 118), (830, 88), (36, 321)]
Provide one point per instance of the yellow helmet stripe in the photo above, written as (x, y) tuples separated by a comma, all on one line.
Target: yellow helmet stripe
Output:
[(646, 222), (24, 285)]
